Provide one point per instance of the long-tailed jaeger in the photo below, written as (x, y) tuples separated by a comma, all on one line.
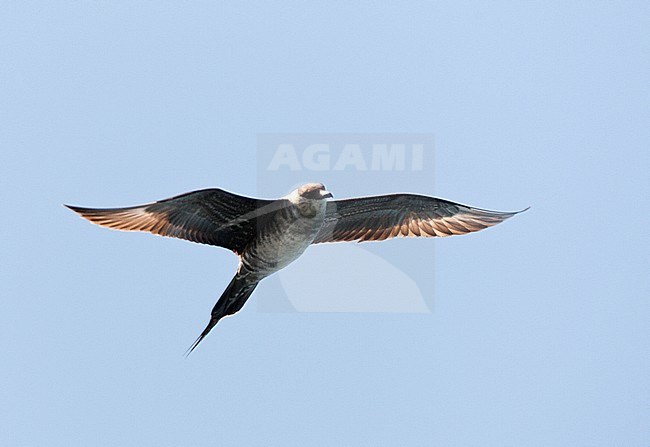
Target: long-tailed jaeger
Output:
[(267, 235)]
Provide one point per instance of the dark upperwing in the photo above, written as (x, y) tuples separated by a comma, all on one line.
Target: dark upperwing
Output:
[(377, 218), (209, 216)]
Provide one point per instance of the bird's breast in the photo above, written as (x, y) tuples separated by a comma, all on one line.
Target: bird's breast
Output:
[(283, 239)]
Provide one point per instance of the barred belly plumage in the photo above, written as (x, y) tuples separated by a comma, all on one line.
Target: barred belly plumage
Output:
[(282, 240)]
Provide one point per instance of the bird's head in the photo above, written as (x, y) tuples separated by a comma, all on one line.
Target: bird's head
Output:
[(313, 191), (310, 199)]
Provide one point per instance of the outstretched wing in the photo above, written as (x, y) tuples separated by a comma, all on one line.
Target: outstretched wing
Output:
[(402, 215), (209, 216)]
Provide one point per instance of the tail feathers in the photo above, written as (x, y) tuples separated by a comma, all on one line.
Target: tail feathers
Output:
[(231, 301)]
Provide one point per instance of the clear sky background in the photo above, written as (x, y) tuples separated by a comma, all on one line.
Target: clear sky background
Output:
[(540, 331)]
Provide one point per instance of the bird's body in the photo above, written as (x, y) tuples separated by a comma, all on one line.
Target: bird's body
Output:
[(268, 235), (285, 235)]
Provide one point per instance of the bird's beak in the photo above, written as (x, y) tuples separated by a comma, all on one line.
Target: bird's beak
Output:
[(326, 194)]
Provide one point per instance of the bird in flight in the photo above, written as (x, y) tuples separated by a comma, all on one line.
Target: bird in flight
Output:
[(267, 235)]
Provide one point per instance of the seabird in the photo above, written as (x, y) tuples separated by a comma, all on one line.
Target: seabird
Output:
[(267, 235)]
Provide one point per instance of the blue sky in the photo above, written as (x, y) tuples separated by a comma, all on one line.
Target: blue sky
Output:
[(538, 333)]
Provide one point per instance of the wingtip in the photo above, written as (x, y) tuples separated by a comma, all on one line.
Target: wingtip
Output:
[(76, 209), (509, 214)]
